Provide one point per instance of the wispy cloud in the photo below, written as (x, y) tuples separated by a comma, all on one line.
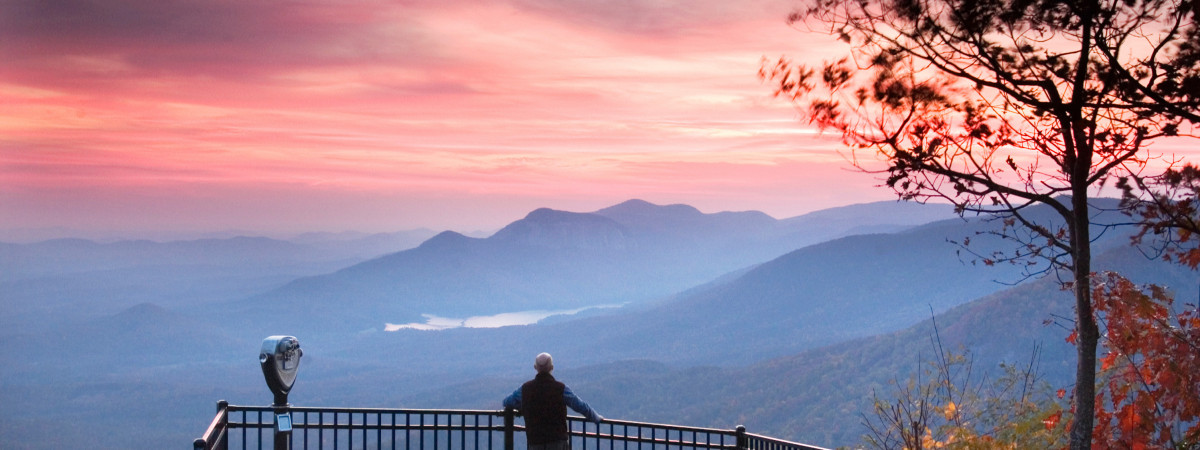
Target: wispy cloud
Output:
[(524, 99)]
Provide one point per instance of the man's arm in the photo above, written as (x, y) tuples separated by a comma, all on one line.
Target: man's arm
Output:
[(513, 400), (580, 406)]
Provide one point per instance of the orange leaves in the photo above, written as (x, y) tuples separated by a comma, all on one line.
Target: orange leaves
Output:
[(1127, 420), (1073, 337), (950, 411)]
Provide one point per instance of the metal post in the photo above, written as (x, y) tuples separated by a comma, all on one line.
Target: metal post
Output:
[(509, 419), (283, 432), (741, 437)]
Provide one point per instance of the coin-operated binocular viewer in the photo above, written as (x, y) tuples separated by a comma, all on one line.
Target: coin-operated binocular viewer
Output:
[(280, 358)]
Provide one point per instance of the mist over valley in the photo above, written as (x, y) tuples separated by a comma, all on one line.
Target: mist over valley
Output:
[(654, 313)]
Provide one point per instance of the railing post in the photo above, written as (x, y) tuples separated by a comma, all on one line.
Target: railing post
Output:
[(741, 437), (223, 410), (509, 419)]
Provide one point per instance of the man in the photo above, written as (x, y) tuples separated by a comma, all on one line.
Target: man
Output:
[(544, 401)]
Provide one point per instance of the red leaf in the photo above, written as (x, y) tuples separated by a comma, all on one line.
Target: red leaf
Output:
[(1107, 361), (1052, 421), (1128, 420)]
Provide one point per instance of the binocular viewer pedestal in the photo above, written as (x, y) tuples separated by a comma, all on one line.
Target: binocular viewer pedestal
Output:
[(280, 359)]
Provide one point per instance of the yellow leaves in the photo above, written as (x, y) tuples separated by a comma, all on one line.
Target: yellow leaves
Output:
[(950, 411), (928, 441)]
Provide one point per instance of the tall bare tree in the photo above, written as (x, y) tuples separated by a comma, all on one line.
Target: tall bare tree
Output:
[(999, 105)]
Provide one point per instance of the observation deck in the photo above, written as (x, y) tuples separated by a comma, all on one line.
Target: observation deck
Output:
[(282, 426), (254, 427)]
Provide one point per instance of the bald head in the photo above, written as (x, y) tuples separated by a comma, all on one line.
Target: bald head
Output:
[(544, 363)]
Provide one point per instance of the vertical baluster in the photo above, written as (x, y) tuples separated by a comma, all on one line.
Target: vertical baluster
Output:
[(407, 430), (477, 431), (245, 418), (304, 426), (260, 431), (335, 430)]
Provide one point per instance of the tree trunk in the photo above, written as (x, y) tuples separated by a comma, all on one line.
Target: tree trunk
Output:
[(1088, 333)]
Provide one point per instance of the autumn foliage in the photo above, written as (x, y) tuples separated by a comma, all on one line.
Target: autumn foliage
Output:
[(948, 405), (1150, 393)]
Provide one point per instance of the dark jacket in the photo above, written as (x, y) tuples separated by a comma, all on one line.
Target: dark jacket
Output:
[(544, 401)]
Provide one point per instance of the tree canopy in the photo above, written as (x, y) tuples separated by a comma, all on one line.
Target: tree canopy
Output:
[(997, 105)]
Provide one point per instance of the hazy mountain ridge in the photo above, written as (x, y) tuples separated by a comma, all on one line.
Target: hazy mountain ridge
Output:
[(814, 396), (58, 281), (212, 359), (78, 255), (548, 228), (628, 253), (817, 295), (71, 255)]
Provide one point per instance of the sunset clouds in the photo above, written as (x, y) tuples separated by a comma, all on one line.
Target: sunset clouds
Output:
[(377, 115)]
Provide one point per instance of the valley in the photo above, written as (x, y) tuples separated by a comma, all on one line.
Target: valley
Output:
[(785, 326)]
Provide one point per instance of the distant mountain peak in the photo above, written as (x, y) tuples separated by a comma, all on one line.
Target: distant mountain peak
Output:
[(681, 219), (543, 214), (637, 207), (445, 239), (553, 228)]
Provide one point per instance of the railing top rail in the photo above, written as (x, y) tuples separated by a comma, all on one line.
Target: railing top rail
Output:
[(480, 412), (215, 430), (784, 442), (663, 426), (313, 409)]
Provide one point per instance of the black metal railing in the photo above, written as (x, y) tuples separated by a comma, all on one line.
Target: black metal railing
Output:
[(253, 427)]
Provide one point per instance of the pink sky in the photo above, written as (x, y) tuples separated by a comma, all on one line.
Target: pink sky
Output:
[(330, 115)]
